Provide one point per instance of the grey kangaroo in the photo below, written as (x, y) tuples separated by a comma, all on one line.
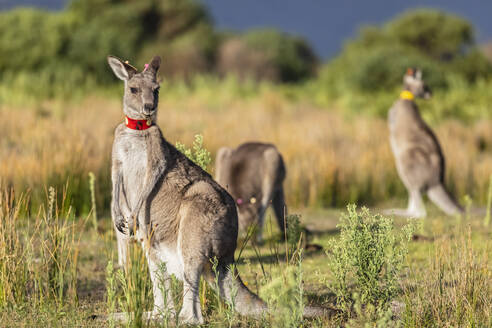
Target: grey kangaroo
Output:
[(418, 155), (253, 174), (181, 216)]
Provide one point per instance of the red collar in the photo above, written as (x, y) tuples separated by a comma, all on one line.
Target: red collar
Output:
[(137, 124)]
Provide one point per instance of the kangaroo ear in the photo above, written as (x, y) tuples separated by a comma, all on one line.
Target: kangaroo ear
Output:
[(418, 74), (122, 70), (222, 165), (223, 153), (155, 64)]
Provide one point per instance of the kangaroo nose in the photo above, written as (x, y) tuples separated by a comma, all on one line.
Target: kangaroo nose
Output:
[(148, 108)]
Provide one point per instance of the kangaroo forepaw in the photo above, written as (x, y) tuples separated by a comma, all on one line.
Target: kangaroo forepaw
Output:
[(126, 227)]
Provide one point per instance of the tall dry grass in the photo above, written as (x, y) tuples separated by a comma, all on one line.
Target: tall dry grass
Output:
[(331, 159), (38, 251), (456, 289)]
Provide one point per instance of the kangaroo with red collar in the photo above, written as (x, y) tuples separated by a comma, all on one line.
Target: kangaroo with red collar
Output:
[(182, 217), (419, 159)]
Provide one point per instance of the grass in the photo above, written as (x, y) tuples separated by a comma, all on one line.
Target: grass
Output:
[(57, 245), (446, 279), (331, 159)]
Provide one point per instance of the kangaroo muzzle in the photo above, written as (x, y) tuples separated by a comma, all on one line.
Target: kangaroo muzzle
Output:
[(148, 109)]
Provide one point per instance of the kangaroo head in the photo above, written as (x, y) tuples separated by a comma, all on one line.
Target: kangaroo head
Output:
[(413, 82), (141, 88)]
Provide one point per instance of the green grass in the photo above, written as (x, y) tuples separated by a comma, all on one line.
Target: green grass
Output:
[(446, 281)]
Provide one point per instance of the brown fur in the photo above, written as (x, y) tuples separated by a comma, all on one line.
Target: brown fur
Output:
[(179, 213), (418, 155), (253, 171)]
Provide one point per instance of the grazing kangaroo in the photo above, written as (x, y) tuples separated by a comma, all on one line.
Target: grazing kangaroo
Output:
[(176, 210), (253, 174), (418, 155)]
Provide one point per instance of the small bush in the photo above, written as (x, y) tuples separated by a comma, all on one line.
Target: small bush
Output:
[(294, 232), (199, 155), (284, 295), (367, 260)]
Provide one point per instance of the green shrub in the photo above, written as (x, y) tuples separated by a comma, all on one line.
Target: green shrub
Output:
[(441, 44), (116, 30), (31, 39), (367, 260), (382, 68), (284, 295), (47, 55), (294, 232), (435, 33), (199, 155)]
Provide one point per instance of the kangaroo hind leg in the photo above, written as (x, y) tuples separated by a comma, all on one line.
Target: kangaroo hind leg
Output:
[(191, 312), (415, 209), (233, 291), (280, 209)]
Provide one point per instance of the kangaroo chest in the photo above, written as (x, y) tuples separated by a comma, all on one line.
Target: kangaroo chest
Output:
[(403, 125), (133, 154)]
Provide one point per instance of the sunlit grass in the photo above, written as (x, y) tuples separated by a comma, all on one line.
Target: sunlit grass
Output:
[(331, 159), (446, 278)]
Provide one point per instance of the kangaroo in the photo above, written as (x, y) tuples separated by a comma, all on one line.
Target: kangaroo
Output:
[(181, 216), (418, 155), (253, 174)]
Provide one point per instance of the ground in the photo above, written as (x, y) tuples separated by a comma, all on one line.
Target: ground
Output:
[(452, 243)]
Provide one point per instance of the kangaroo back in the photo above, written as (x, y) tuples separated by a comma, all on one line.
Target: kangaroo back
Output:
[(253, 174)]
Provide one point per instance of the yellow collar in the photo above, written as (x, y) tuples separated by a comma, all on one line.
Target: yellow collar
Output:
[(405, 94)]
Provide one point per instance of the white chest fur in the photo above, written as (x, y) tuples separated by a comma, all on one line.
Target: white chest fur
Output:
[(133, 156)]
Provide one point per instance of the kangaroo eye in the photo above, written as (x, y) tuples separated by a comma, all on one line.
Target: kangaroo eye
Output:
[(134, 90)]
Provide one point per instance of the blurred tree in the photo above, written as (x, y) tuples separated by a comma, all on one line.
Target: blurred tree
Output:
[(292, 57), (487, 50), (116, 29), (184, 36), (440, 35), (31, 39), (237, 58), (81, 37), (442, 44), (178, 30), (72, 45), (266, 54)]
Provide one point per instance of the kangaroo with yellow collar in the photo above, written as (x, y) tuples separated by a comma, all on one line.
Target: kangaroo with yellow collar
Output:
[(419, 159)]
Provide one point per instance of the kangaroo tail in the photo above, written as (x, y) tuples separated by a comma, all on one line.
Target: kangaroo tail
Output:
[(248, 303), (444, 200), (232, 289)]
